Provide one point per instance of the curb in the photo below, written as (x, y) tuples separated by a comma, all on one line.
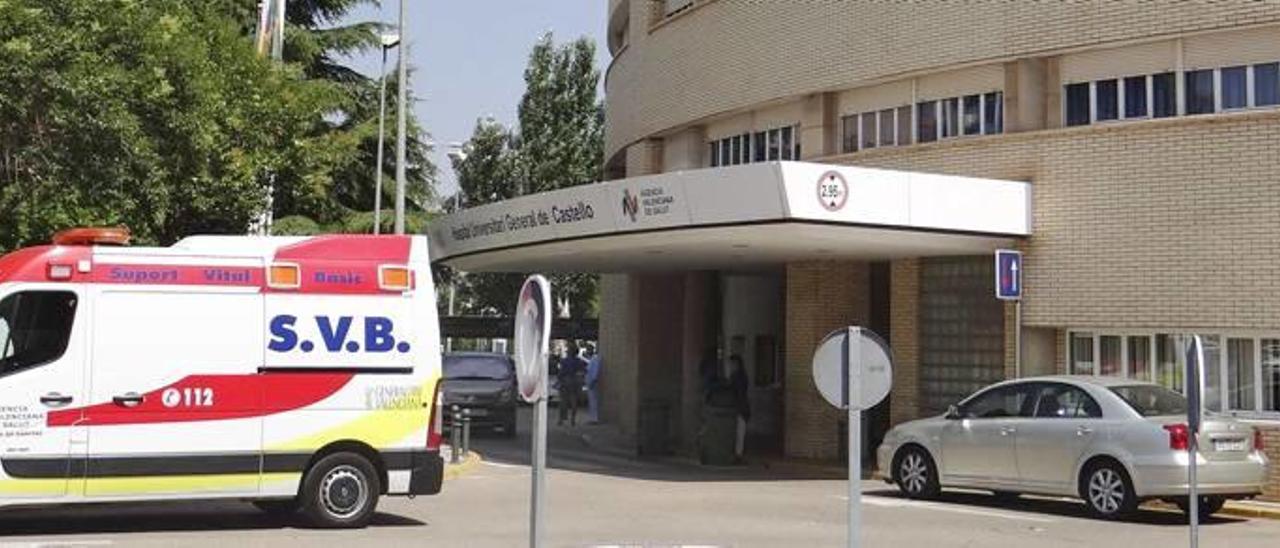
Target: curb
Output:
[(469, 463), (1231, 508), (1247, 510)]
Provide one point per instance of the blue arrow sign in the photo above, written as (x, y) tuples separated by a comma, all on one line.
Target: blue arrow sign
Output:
[(1008, 274)]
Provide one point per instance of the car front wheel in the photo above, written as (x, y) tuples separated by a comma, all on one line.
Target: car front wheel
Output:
[(916, 474), (1107, 490)]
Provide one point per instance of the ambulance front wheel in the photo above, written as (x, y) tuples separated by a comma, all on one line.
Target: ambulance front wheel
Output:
[(341, 491)]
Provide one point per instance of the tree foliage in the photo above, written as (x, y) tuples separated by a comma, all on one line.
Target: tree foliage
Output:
[(149, 113), (560, 143)]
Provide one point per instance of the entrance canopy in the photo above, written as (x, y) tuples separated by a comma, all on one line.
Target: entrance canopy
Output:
[(747, 216)]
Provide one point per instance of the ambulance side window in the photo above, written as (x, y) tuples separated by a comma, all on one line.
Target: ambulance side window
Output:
[(35, 327)]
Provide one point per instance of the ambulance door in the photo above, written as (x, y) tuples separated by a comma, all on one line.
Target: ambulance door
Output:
[(176, 393), (42, 340)]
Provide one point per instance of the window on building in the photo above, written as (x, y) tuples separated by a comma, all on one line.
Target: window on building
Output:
[(849, 133), (1266, 84), (1077, 104), (888, 127), (1270, 365), (1081, 354), (1241, 372), (35, 328), (735, 153), (904, 125), (1240, 368), (1164, 95), (726, 156), (1140, 358), (951, 117), (786, 143), (774, 139), (1235, 87), (869, 132), (972, 117), (1135, 97), (1106, 100), (759, 146), (1110, 355), (993, 113), (927, 121), (746, 148), (1200, 97)]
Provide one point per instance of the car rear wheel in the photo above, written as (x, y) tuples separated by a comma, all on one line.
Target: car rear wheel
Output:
[(1107, 490), (916, 474), (1207, 507), (341, 491)]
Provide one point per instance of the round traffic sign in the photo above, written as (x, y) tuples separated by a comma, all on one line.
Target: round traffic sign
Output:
[(871, 365), (533, 337)]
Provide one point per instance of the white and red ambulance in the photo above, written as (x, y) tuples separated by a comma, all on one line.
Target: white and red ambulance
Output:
[(300, 373)]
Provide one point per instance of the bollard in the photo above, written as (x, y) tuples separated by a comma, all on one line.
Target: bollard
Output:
[(466, 431), (454, 435)]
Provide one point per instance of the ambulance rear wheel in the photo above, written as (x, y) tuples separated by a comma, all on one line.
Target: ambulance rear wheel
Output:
[(341, 491)]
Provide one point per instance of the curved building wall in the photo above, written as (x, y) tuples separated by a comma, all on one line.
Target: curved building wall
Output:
[(725, 55)]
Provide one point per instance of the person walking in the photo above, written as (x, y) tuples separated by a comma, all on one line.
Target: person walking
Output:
[(593, 385), (573, 370), (741, 401)]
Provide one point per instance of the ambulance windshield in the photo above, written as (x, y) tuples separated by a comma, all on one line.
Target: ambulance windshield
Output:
[(34, 328)]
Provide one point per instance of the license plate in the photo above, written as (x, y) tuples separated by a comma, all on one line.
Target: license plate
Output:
[(1229, 445)]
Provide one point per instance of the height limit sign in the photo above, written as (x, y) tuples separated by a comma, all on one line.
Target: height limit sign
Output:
[(1008, 275)]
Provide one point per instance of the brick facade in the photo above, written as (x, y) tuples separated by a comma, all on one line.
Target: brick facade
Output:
[(735, 54), (821, 297), (904, 322)]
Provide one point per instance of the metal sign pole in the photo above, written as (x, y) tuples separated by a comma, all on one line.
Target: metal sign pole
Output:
[(1017, 339), (1195, 412), (853, 364), (536, 532)]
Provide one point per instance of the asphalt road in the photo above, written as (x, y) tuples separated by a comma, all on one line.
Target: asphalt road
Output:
[(596, 499)]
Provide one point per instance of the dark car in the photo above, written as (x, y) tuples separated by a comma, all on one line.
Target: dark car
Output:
[(484, 384)]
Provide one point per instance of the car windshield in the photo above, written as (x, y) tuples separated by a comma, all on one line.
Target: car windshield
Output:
[(477, 367), (1152, 401)]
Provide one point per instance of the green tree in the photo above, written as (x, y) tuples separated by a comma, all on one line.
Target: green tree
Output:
[(560, 143), (561, 139), (149, 113)]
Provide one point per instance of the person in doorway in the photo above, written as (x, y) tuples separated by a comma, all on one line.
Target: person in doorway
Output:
[(573, 370), (741, 401), (593, 385)]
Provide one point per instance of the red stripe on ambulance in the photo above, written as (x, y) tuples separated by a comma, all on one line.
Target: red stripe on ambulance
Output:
[(210, 398)]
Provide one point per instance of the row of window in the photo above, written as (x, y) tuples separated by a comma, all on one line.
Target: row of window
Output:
[(977, 114), (1242, 372), (1156, 95), (762, 146)]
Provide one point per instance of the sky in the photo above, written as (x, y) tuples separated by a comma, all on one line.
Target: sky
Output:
[(470, 57)]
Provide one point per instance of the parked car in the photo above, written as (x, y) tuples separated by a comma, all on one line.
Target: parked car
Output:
[(484, 384), (1112, 442)]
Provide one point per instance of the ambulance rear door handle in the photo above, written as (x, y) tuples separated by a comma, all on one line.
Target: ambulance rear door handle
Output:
[(132, 399), (54, 399)]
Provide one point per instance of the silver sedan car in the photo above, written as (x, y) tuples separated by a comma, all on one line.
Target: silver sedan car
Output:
[(1112, 442)]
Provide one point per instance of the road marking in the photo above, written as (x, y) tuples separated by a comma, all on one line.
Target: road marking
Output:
[(499, 465), (56, 543), (903, 503)]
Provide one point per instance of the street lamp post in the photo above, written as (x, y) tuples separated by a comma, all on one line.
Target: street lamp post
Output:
[(403, 106), (388, 41)]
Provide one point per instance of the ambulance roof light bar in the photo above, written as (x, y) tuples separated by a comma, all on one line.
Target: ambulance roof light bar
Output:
[(118, 236)]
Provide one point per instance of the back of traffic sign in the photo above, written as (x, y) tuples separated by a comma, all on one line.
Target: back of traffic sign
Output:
[(834, 359)]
